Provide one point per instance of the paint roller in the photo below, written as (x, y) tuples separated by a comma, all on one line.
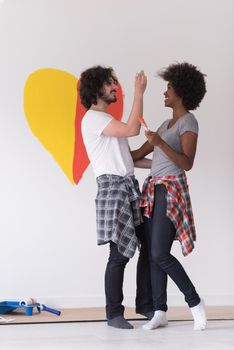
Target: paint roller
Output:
[(27, 302), (40, 307)]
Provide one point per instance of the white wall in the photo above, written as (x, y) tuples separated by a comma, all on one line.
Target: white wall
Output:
[(48, 241)]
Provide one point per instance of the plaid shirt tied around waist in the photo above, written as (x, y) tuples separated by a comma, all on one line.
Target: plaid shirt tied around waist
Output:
[(179, 208), (118, 212)]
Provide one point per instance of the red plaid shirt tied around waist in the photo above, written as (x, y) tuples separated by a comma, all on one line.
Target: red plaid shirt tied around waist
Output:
[(179, 208)]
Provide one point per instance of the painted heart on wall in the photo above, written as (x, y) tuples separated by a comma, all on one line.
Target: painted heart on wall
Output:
[(54, 113)]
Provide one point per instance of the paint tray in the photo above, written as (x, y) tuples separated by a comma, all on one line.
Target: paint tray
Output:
[(9, 306)]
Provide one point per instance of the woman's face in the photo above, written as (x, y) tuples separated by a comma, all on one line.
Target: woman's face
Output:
[(171, 99)]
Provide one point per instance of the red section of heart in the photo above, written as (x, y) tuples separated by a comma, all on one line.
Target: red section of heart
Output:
[(81, 160)]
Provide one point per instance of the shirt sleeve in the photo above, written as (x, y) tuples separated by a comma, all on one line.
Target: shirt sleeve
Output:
[(99, 123), (188, 124)]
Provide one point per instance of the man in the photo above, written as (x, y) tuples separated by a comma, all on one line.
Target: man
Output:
[(117, 209)]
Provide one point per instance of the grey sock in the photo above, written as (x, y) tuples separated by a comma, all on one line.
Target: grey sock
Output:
[(119, 322)]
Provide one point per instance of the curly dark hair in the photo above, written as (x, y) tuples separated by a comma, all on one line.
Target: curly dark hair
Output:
[(187, 81), (91, 83)]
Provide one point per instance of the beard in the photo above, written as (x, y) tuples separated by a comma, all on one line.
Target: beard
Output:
[(108, 99)]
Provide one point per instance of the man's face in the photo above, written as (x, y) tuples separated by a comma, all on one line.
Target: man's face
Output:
[(109, 90)]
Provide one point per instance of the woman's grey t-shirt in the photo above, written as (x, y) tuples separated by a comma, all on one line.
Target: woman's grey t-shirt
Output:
[(162, 165)]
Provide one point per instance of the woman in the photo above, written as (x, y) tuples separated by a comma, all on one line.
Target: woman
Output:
[(165, 199)]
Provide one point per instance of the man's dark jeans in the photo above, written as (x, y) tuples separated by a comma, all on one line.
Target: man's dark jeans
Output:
[(114, 276)]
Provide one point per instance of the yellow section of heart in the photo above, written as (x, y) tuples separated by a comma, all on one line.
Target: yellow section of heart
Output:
[(50, 97)]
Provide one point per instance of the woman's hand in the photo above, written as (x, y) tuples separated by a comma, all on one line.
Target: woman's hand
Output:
[(153, 138)]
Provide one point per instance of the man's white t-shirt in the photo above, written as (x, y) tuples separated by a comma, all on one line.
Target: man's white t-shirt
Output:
[(107, 154)]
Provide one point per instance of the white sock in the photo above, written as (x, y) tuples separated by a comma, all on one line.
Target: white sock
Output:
[(199, 316), (159, 320)]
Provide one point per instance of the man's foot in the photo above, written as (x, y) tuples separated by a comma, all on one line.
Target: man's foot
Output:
[(159, 320), (119, 322), (199, 316), (149, 315)]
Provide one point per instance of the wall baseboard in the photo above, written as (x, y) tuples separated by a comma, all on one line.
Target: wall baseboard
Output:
[(97, 301)]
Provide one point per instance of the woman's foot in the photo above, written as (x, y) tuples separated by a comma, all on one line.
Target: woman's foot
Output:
[(159, 320), (199, 316)]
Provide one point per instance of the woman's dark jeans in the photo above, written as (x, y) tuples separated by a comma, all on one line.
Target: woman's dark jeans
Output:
[(160, 236)]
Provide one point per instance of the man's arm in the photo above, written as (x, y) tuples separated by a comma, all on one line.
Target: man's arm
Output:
[(132, 127), (143, 163)]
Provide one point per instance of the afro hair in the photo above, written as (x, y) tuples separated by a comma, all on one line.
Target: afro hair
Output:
[(187, 81)]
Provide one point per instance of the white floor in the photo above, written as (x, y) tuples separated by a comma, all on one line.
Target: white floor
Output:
[(97, 335)]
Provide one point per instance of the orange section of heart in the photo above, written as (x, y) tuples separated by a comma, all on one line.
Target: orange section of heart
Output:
[(54, 113)]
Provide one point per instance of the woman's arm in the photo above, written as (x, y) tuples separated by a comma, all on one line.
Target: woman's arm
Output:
[(143, 151), (184, 159)]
